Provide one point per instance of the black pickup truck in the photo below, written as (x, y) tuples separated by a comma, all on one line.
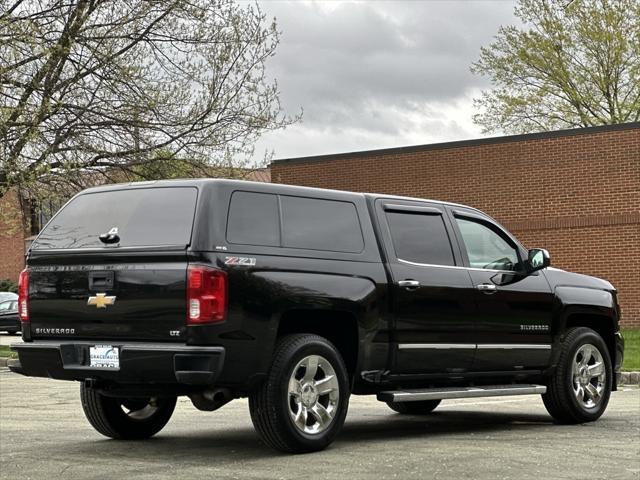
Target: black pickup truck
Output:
[(297, 298)]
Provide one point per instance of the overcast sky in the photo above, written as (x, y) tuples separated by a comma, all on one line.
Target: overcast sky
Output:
[(376, 74)]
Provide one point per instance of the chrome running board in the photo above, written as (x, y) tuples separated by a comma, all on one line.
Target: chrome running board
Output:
[(459, 392)]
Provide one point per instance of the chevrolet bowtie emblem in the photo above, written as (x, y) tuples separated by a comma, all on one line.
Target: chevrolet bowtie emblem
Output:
[(101, 300)]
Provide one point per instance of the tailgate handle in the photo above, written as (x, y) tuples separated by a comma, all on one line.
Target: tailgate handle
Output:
[(101, 280)]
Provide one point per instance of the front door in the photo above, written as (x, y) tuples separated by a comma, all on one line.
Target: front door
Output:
[(434, 319), (514, 311)]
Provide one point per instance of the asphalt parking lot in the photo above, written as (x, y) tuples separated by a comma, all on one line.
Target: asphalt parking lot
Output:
[(43, 434)]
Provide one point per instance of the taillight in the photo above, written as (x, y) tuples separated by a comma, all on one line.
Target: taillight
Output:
[(23, 295), (206, 295)]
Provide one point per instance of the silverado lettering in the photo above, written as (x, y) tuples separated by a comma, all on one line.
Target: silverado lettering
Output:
[(55, 331)]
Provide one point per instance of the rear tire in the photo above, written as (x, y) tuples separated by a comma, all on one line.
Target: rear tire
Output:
[(414, 408), (302, 404), (580, 387), (126, 419)]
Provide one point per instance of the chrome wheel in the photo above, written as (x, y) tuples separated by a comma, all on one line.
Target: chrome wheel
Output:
[(314, 393), (140, 409), (302, 404), (589, 376)]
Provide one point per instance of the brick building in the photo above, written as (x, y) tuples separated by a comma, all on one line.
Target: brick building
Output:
[(574, 192), (12, 238)]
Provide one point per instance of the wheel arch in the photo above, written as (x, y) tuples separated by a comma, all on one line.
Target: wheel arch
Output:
[(603, 324), (339, 327)]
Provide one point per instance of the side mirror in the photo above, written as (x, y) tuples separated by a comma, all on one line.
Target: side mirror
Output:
[(538, 258)]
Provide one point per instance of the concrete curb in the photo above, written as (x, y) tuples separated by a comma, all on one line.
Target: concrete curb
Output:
[(630, 378), (3, 362)]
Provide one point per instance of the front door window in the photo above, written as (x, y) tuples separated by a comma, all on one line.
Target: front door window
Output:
[(487, 249)]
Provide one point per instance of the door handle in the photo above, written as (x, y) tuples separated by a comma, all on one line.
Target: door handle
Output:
[(487, 288), (409, 284)]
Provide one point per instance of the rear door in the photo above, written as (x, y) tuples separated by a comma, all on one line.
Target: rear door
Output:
[(131, 284), (434, 319)]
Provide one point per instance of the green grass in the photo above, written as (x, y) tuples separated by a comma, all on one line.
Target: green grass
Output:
[(631, 350), (5, 351)]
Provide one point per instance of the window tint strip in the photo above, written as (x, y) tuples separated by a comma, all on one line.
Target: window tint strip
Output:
[(390, 207)]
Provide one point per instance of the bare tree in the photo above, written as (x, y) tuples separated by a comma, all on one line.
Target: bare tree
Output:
[(95, 88)]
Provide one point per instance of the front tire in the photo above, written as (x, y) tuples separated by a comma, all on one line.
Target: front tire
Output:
[(126, 419), (414, 408), (302, 404), (580, 387)]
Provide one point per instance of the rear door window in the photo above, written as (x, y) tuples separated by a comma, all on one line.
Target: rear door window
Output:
[(317, 224), (420, 238), (143, 217)]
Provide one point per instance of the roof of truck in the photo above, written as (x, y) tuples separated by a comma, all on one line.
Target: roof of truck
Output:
[(262, 186)]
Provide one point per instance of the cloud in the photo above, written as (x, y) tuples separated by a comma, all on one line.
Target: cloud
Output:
[(378, 74)]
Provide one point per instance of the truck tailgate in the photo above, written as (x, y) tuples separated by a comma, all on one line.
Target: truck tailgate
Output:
[(141, 297)]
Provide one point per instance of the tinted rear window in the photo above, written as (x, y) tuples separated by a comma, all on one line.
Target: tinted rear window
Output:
[(420, 238), (143, 217), (316, 224)]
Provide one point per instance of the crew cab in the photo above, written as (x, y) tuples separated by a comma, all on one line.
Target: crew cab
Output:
[(297, 298)]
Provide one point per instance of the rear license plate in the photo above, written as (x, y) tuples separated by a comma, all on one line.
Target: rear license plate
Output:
[(104, 356)]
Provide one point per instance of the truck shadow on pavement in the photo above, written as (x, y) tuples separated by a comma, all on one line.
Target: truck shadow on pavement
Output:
[(229, 446), (442, 423)]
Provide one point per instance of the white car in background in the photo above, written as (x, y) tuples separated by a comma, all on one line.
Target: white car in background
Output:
[(4, 296)]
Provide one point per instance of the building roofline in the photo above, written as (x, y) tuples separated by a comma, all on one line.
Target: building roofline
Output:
[(461, 143)]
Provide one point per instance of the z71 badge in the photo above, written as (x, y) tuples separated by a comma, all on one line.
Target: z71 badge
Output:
[(246, 261)]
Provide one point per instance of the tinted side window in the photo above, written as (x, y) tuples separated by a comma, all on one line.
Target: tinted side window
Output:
[(485, 248), (317, 224), (420, 238), (253, 219)]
